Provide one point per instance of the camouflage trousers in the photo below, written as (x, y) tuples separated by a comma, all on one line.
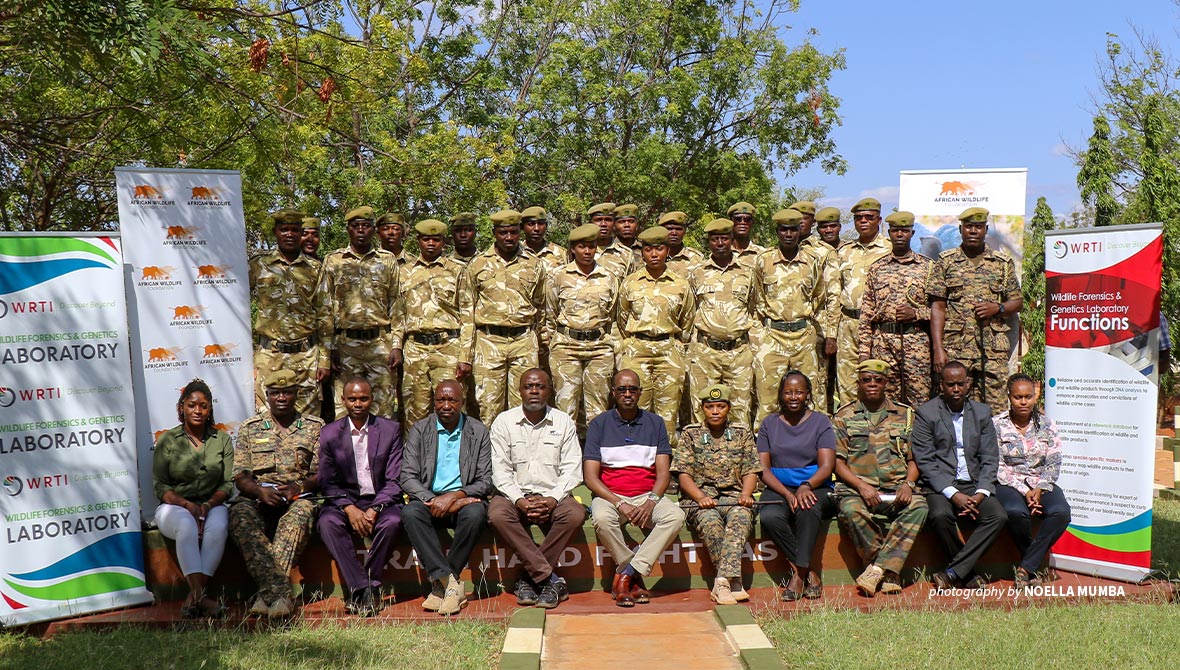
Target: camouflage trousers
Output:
[(581, 376), (776, 352), (724, 531), (499, 363), (269, 561), (886, 545), (368, 359), (734, 368), (303, 364), (820, 398), (909, 357), (423, 367), (661, 372), (989, 374), (847, 356)]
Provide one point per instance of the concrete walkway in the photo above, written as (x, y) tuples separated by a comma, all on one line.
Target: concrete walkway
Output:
[(612, 641)]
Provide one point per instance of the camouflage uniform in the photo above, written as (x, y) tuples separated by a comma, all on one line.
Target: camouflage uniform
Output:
[(717, 466), (278, 456), (553, 256), (789, 297), (462, 260), (852, 261), (895, 282), (748, 255), (358, 294), (683, 262), (963, 282), (720, 351), (655, 318), (506, 295), (618, 259), (583, 361), (287, 324), (433, 328), (878, 453), (819, 384)]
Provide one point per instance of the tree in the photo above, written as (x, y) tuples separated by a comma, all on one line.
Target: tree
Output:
[(1096, 178), (1160, 193), (1032, 289)]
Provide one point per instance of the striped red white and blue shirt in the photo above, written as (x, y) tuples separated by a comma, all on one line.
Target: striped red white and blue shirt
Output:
[(627, 450)]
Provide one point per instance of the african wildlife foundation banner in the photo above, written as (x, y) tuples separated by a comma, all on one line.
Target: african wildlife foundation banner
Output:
[(69, 504), (1102, 335), (189, 298)]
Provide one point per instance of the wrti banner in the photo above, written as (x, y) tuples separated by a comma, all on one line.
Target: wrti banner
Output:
[(188, 288), (1102, 330), (70, 503)]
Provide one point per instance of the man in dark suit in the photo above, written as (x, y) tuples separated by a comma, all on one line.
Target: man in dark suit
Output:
[(360, 461), (954, 444), (447, 473)]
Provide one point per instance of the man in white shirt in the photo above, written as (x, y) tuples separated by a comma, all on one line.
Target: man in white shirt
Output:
[(536, 463)]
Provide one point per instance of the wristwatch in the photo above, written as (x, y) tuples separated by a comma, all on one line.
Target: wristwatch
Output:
[(913, 485), (653, 497)]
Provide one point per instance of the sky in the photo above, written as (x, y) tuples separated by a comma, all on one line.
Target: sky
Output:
[(951, 84)]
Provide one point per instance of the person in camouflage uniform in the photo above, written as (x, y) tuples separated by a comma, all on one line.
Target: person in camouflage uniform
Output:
[(275, 461), (791, 288), (720, 351), (534, 226), (432, 329), (681, 259), (283, 285), (973, 291), (627, 233), (358, 288), (613, 257), (309, 239), (827, 241), (828, 226), (812, 244), (744, 247), (391, 232), (581, 300), (508, 298), (464, 237), (655, 316), (717, 464), (876, 489), (807, 209), (853, 259), (894, 321)]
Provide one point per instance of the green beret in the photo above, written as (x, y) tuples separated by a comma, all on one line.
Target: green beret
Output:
[(431, 227), (900, 219), (584, 233), (607, 208), (974, 215), (392, 218), (463, 219), (287, 216), (873, 365), (654, 235), (673, 217), (715, 393), (828, 215), (505, 217), (534, 212), (740, 208), (788, 217), (867, 204), (281, 379), (311, 223), (805, 206), (626, 211), (365, 212), (719, 226)]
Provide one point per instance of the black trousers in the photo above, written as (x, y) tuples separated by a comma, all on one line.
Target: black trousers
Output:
[(422, 528), (944, 520), (795, 532), (1056, 517)]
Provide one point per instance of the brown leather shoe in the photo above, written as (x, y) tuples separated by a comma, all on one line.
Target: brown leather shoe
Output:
[(639, 591), (621, 591)]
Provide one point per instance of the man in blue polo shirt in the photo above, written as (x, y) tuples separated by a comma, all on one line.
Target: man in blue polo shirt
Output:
[(626, 465)]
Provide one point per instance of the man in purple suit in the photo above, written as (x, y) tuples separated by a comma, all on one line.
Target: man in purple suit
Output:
[(360, 463)]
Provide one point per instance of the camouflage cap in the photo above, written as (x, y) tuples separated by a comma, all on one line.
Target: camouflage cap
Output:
[(626, 211), (740, 208), (828, 215), (974, 215), (534, 212), (392, 218), (505, 217), (900, 219), (673, 217), (719, 226), (311, 223), (867, 204), (287, 216), (787, 217), (281, 379), (602, 208), (654, 235), (462, 219), (584, 233), (805, 206), (365, 212), (431, 227), (715, 393), (873, 365)]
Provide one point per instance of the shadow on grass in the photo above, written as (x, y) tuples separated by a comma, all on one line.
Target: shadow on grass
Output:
[(1165, 537)]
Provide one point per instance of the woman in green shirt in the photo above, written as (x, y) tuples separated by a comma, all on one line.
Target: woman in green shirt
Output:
[(191, 474)]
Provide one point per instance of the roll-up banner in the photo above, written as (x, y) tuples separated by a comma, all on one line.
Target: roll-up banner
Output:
[(189, 295), (70, 500), (1102, 330), (937, 197)]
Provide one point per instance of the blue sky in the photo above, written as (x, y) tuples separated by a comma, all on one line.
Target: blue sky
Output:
[(951, 84)]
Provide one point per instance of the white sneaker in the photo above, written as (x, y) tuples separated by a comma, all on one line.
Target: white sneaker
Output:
[(454, 598), (721, 593)]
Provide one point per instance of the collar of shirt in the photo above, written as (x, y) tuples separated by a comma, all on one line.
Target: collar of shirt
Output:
[(573, 268), (646, 275), (373, 251), (276, 256), (524, 419), (423, 262), (780, 258), (442, 430), (623, 422)]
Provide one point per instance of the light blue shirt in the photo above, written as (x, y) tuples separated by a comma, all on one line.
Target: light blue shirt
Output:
[(446, 463), (962, 473)]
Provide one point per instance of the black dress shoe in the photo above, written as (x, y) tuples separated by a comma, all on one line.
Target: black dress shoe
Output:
[(526, 593), (975, 582), (943, 581)]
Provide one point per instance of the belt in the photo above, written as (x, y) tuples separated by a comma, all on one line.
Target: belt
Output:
[(902, 327), (723, 345), (652, 338), (583, 335), (850, 313), (504, 331), (361, 333), (285, 346), (787, 326), (438, 337)]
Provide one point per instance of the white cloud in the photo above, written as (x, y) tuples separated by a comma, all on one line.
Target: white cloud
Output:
[(1060, 149)]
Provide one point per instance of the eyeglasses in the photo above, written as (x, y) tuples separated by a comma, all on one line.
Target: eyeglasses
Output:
[(742, 217), (623, 390), (864, 216)]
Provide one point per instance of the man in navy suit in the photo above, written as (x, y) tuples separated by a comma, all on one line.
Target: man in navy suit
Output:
[(954, 445), (360, 464)]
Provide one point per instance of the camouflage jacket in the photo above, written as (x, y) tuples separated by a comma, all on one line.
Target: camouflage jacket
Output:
[(653, 306), (286, 297), (716, 465), (276, 456), (358, 291), (788, 290), (724, 297), (878, 454), (964, 282), (434, 297), (892, 282)]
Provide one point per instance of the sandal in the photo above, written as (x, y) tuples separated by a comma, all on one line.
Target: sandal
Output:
[(211, 608)]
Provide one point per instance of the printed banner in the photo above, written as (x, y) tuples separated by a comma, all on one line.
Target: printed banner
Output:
[(189, 294), (70, 504), (1102, 329)]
